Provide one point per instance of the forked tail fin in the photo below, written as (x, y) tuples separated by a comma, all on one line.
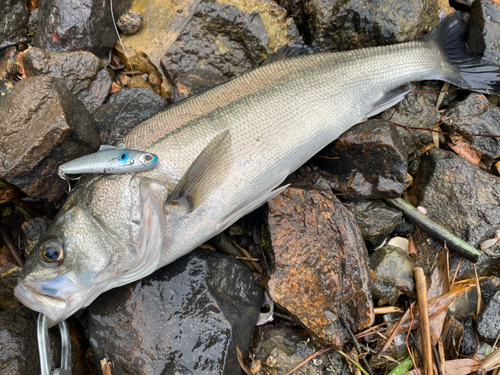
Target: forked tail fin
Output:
[(470, 71)]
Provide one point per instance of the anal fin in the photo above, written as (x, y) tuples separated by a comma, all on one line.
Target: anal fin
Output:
[(204, 175), (389, 99)]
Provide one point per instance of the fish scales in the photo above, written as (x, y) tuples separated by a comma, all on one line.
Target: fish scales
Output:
[(221, 154)]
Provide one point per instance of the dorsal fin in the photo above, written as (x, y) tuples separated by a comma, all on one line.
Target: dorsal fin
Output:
[(289, 51)]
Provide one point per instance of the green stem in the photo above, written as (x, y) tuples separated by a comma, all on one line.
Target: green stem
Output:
[(403, 367), (435, 230)]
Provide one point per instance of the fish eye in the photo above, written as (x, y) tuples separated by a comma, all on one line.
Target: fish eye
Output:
[(51, 251)]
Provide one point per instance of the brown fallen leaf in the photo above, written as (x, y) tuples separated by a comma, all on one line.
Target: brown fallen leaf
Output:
[(462, 366), (115, 87), (465, 151), (440, 284), (453, 332), (6, 195)]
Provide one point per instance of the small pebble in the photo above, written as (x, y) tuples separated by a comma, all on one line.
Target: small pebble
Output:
[(130, 23)]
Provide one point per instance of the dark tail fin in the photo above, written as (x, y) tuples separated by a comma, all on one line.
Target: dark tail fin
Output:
[(471, 71)]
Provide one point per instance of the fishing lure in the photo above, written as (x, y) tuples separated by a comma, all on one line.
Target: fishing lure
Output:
[(109, 160)]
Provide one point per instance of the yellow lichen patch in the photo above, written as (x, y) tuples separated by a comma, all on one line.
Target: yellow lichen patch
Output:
[(163, 22), (273, 16)]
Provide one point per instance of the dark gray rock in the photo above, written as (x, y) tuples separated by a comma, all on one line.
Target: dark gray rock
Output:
[(470, 341), (484, 30), (393, 270), (185, 318), (489, 288), (43, 125), (371, 164), (83, 73), (19, 347), (282, 348), (14, 15), (33, 231), (130, 22), (220, 42), (125, 110), (475, 115), (376, 220), (339, 25), (458, 195), (488, 322), (417, 110), (86, 25)]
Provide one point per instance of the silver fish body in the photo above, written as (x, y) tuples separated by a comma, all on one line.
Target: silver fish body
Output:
[(221, 155), (110, 161)]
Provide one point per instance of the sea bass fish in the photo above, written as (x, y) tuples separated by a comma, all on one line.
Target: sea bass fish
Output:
[(222, 154)]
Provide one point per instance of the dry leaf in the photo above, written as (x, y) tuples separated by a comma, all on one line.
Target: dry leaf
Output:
[(468, 153), (453, 332), (462, 366), (115, 87)]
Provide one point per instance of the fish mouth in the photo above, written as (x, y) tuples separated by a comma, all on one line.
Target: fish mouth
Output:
[(56, 306)]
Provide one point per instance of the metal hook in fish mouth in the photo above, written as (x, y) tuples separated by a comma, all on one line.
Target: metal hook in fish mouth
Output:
[(46, 362), (65, 177)]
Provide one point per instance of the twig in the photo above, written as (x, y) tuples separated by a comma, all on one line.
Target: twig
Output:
[(438, 362), (435, 230), (395, 331), (445, 133), (440, 98), (491, 362), (409, 334), (302, 363), (386, 310), (356, 344), (414, 341), (246, 258), (328, 157), (425, 329), (478, 310), (246, 254), (353, 362), (10, 245), (456, 273), (441, 356)]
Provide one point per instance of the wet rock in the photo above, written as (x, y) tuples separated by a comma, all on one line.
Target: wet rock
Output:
[(19, 347), (83, 73), (7, 264), (488, 322), (130, 22), (376, 220), (125, 110), (15, 15), (416, 110), (484, 30), (83, 26), (393, 270), (489, 288), (470, 341), (282, 348), (43, 125), (321, 266), (339, 25), (371, 162), (185, 318), (177, 17), (33, 231), (223, 40), (475, 115), (458, 195)]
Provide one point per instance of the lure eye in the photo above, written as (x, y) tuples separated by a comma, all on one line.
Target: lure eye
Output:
[(148, 158), (123, 156), (51, 251)]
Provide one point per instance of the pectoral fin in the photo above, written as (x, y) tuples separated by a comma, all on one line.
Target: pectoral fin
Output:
[(204, 175)]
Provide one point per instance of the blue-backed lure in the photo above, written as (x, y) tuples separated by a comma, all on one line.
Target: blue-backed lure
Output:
[(110, 160)]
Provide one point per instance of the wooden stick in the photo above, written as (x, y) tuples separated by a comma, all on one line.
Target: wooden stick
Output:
[(441, 355), (386, 310), (395, 330), (425, 329)]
